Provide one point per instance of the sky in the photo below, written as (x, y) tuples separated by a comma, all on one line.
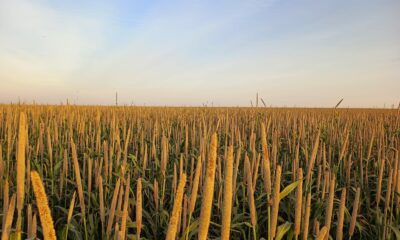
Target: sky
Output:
[(188, 53)]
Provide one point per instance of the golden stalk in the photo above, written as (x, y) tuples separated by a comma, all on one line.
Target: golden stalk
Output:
[(21, 162), (355, 212), (195, 187), (227, 207), (44, 210), (139, 208), (307, 217), (29, 220), (207, 200), (6, 196), (250, 193), (34, 227), (267, 163), (125, 207), (173, 221), (322, 233), (21, 171), (155, 193), (112, 207), (8, 219), (342, 206), (101, 201), (329, 208), (275, 201), (299, 199), (71, 208), (379, 185), (78, 179), (313, 156)]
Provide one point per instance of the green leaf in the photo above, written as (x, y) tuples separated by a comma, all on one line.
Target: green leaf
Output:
[(288, 189), (282, 230), (396, 231), (193, 226)]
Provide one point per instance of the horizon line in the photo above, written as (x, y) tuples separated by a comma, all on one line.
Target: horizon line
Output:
[(38, 104)]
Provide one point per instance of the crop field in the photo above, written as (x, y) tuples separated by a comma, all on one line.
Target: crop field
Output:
[(97, 172)]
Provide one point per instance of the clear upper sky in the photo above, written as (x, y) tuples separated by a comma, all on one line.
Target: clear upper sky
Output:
[(292, 52)]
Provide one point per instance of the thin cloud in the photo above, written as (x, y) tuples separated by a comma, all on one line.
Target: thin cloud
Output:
[(190, 52)]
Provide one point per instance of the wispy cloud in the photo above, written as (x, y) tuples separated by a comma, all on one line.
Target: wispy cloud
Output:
[(189, 52)]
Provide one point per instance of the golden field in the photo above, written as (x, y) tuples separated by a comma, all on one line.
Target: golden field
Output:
[(91, 172)]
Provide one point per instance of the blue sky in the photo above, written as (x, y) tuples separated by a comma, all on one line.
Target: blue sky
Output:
[(303, 53)]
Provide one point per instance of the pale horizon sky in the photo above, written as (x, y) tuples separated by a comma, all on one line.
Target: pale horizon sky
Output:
[(292, 52)]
